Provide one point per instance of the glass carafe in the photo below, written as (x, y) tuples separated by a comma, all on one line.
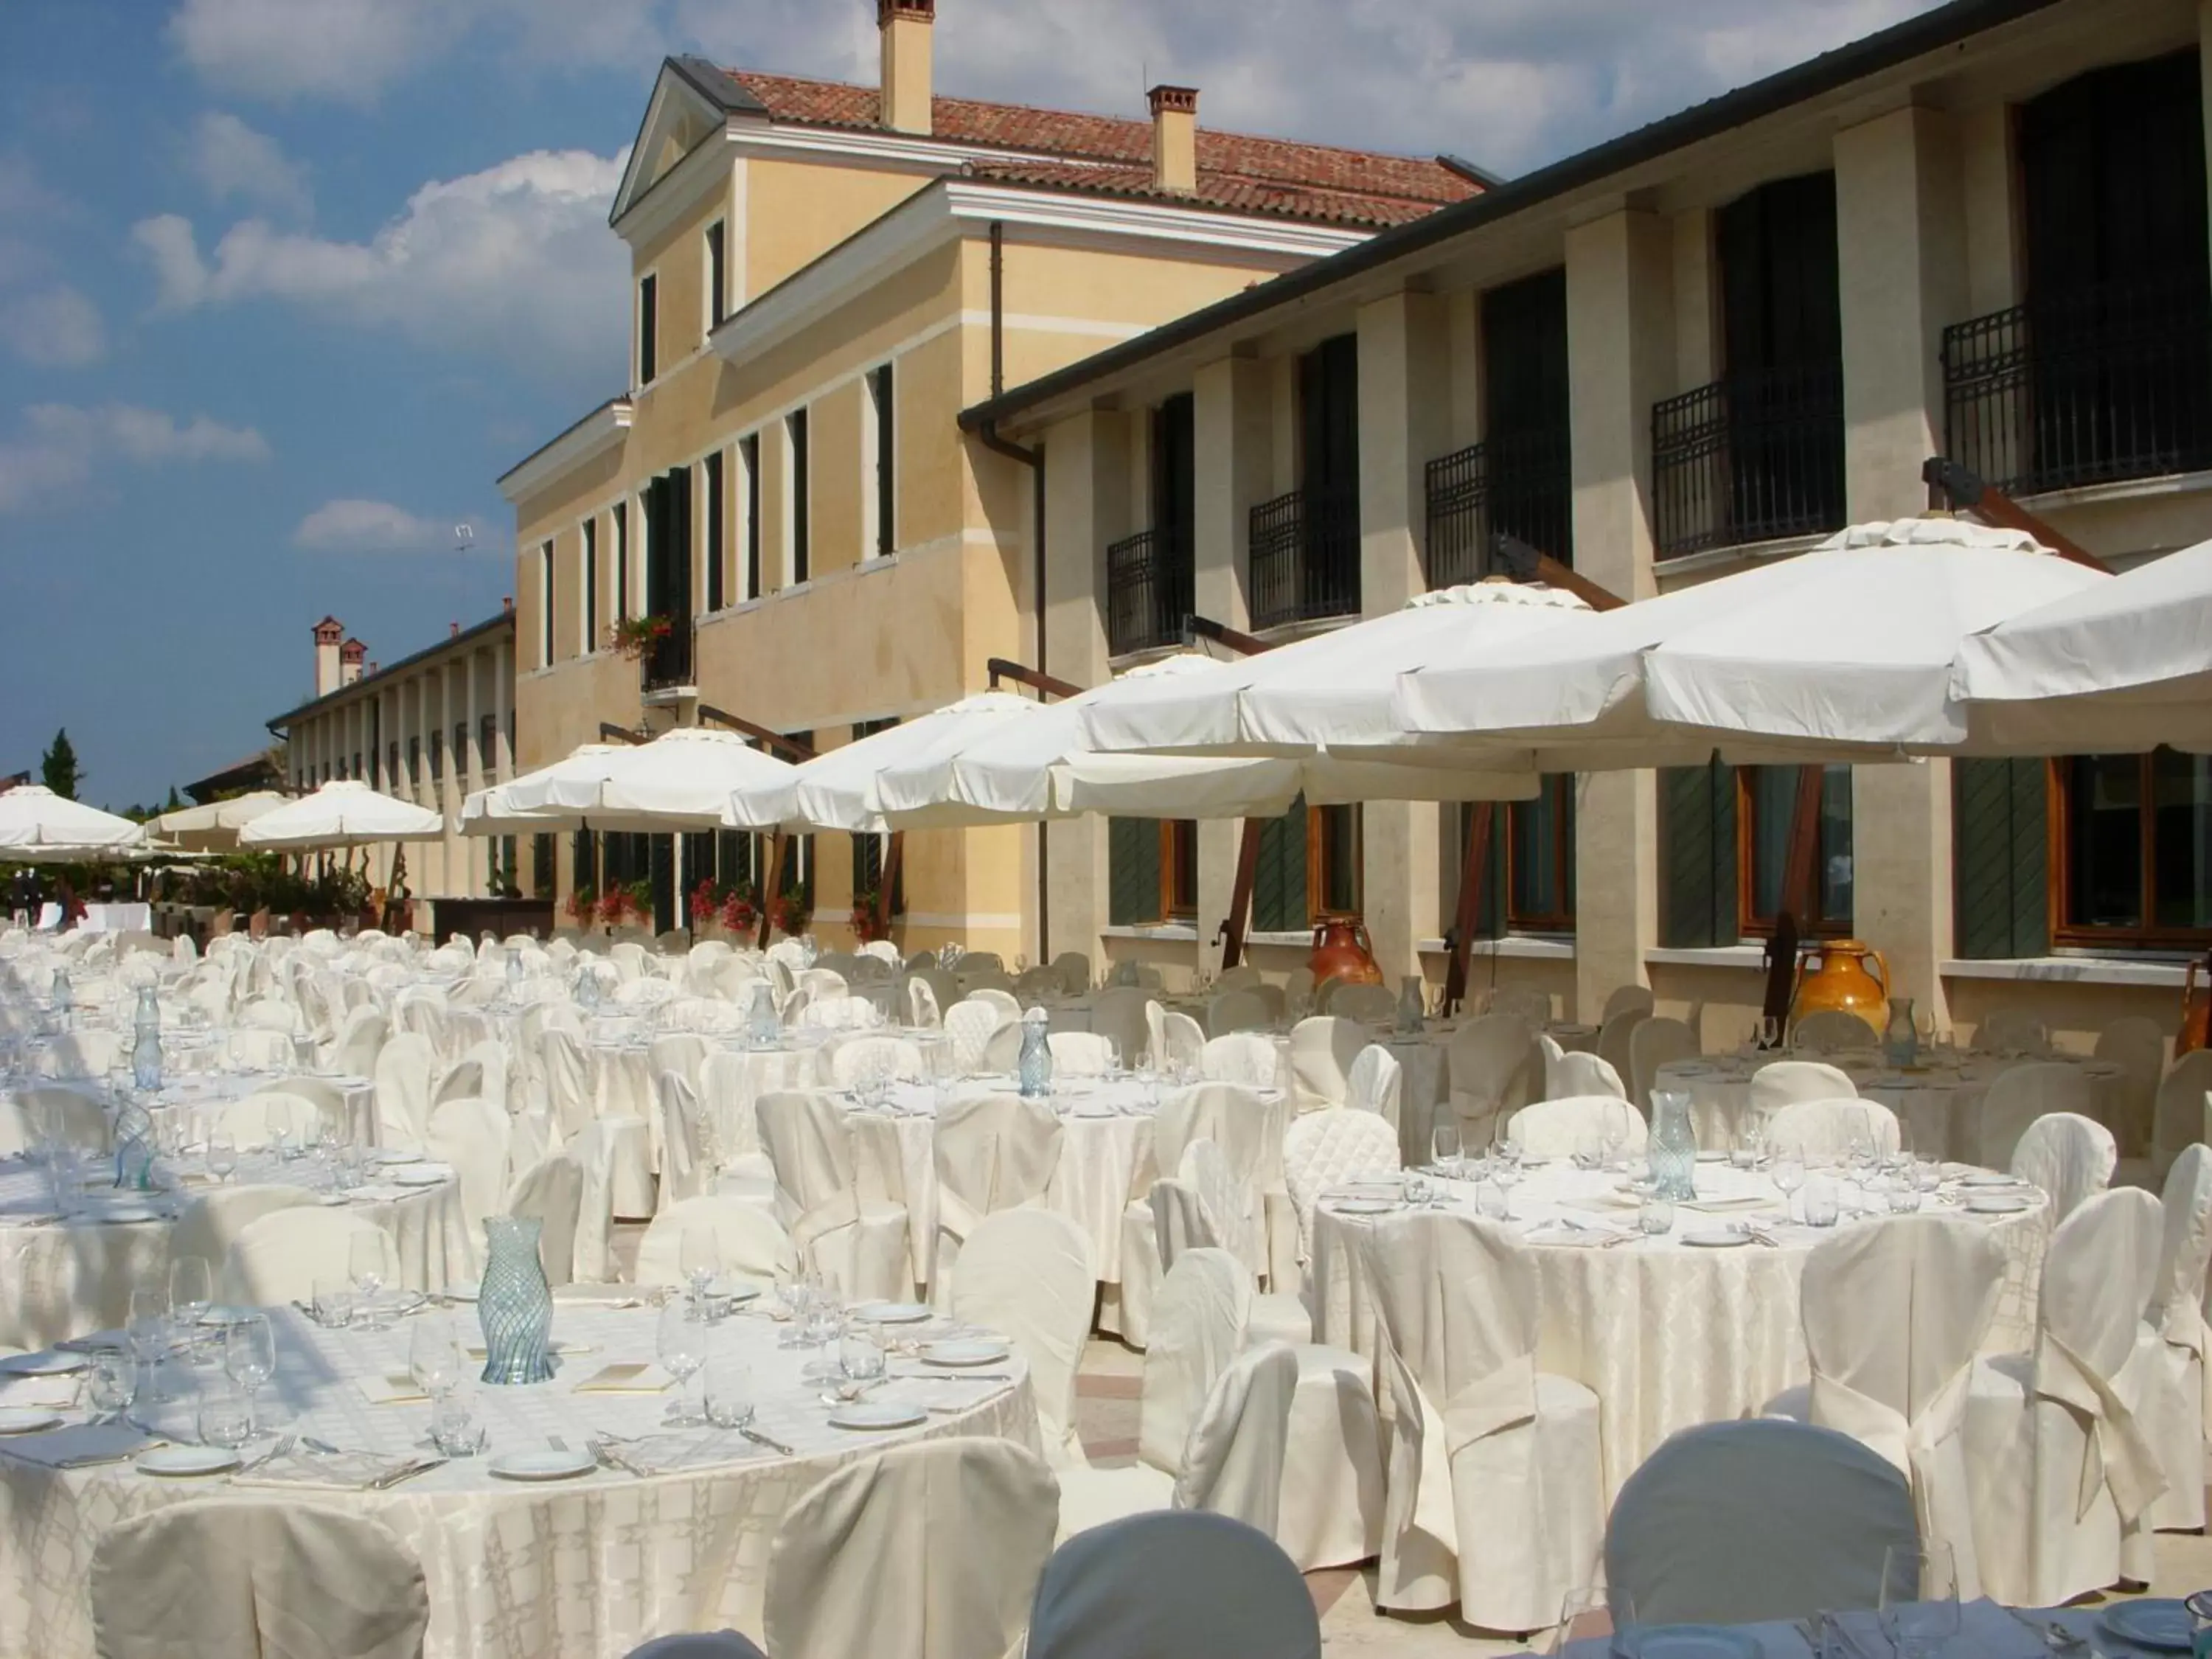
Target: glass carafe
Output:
[(1673, 1147), (1900, 1038)]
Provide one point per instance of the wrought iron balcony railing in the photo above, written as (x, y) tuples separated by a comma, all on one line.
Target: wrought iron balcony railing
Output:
[(1515, 483), (2110, 384), (1304, 554), (1754, 458), (667, 662), (1150, 589)]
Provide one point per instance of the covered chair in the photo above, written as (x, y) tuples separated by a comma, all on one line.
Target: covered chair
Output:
[(991, 1154), (1655, 1042), (1237, 1010), (2062, 1471), (1496, 1490), (404, 1067), (923, 1551), (277, 1257), (2017, 1098), (748, 1241), (1322, 1149), (1323, 1051), (698, 1644), (1739, 1523), (277, 1578), (1247, 1127), (1614, 1037), (361, 1037), (1370, 1004), (211, 1222), (1185, 1041), (1831, 1030), (2137, 1046), (472, 1135), (551, 1191), (1783, 1081), (1894, 1316), (1121, 1012), (1172, 1584), (1377, 1085), (1080, 1053), (2182, 1113), (1027, 1275), (1573, 1072), (1625, 998), (686, 1171), (2175, 1417), (857, 1243), (2012, 1031), (1495, 1069), (1245, 1057), (2068, 1158), (1578, 1123), (1830, 1128)]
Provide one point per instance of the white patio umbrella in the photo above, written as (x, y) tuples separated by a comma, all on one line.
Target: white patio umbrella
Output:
[(2120, 665), (345, 813), (1843, 653), (680, 782), (214, 827), (492, 812), (35, 823)]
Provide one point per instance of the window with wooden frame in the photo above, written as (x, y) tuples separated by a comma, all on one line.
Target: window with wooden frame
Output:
[(869, 851), (1766, 799), (621, 561), (1540, 859), (2131, 849), (545, 604), (1333, 881), (588, 584), (749, 460), (710, 477), (1151, 870)]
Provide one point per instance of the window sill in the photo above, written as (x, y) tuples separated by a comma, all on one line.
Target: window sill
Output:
[(1301, 939), (2121, 489), (1708, 955), (1165, 933), (2161, 971), (1523, 947), (1724, 558)]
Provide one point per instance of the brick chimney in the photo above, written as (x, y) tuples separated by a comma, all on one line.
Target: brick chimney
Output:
[(328, 633), (1175, 139), (351, 654), (905, 27)]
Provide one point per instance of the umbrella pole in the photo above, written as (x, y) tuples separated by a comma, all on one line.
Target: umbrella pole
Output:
[(1474, 871), (779, 846), (1240, 895), (1801, 864), (887, 885)]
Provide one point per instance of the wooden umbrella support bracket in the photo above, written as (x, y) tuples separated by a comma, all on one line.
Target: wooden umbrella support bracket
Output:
[(1958, 487), (1234, 926)]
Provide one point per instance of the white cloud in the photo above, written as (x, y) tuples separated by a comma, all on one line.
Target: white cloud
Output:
[(62, 443), (365, 527), (348, 50), (515, 261), (54, 327), (231, 159)]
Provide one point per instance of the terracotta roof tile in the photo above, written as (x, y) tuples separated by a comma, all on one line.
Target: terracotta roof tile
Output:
[(1235, 171)]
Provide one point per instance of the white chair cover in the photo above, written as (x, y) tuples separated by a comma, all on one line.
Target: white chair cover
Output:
[(857, 1244), (2064, 1473), (1080, 1053), (684, 1168), (2182, 1110), (472, 1135), (998, 997), (1172, 1585), (1571, 1072), (220, 1577), (209, 1224), (1237, 1010), (278, 1258), (1826, 1128), (1232, 1464), (969, 1025), (1625, 998), (2017, 1098), (359, 1039), (681, 1052), (1370, 1005), (2174, 1417), (1614, 1038), (923, 1551), (1894, 1316), (753, 1244), (552, 1191), (1027, 1275), (1323, 1050), (921, 1010), (1831, 1030), (1245, 1057), (1495, 1068), (1374, 1084), (1322, 1149), (1531, 1006), (595, 1150), (2068, 1156), (1655, 1042), (403, 1090), (1123, 1012), (2138, 1045), (1186, 1043), (1783, 1082), (2012, 1030), (1495, 1490), (1561, 1129), (993, 1153)]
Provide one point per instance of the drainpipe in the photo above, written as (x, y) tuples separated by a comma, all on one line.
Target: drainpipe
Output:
[(1033, 458)]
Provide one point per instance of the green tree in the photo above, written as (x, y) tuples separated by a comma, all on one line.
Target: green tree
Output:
[(58, 767)]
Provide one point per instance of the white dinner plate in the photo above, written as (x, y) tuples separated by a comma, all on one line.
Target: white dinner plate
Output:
[(222, 1314), (733, 1289), (27, 1419), (875, 1414), (965, 1351), (422, 1175), (543, 1464), (399, 1155), (1998, 1203), (2157, 1622), (178, 1461), (1988, 1178), (54, 1362), (1697, 1642), (1094, 1109), (1362, 1205), (1716, 1238), (893, 1313), (127, 1212)]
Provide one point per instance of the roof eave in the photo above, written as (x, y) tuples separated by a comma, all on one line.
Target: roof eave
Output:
[(490, 625)]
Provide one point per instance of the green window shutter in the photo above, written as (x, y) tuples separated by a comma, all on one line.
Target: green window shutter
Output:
[(2000, 843), (1132, 871), (1490, 914), (1278, 885), (1697, 808)]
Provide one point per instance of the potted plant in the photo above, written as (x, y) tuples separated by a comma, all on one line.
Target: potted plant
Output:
[(614, 907), (634, 637), (740, 909), (583, 906), (791, 913), (705, 905), (868, 926)]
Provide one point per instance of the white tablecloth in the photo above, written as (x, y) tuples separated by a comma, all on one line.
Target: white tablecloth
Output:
[(1667, 1333), (117, 919), (1937, 1106), (590, 1566), (65, 1280)]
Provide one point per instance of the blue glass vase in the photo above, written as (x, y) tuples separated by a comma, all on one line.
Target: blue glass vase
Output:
[(515, 1304), (1673, 1147), (1033, 1071)]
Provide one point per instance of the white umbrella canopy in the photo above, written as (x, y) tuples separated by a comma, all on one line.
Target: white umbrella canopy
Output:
[(345, 813), (34, 823), (214, 827), (493, 812), (838, 790), (1840, 653), (680, 780), (2122, 665)]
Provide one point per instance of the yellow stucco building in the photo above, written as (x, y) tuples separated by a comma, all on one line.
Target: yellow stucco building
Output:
[(824, 275)]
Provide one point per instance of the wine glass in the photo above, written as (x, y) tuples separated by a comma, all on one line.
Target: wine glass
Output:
[(1789, 1171), (249, 1356), (1919, 1602), (434, 1357), (365, 1259), (149, 1324), (1597, 1613), (1443, 1142), (700, 1257), (221, 1154), (192, 1290), (682, 1351)]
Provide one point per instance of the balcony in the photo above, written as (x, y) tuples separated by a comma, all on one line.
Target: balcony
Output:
[(665, 666), (1515, 483), (1754, 458), (1149, 591), (1304, 557), (2108, 384)]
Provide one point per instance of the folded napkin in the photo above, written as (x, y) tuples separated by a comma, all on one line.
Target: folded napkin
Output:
[(1561, 1230), (393, 1388), (96, 1342), (628, 1378), (1720, 1205), (79, 1446), (671, 1454), (307, 1471), (57, 1391), (1985, 1629), (377, 1193)]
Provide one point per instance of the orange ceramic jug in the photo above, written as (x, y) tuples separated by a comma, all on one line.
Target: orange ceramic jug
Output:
[(1842, 973), (1342, 950)]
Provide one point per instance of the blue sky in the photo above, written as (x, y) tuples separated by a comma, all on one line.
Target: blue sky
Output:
[(286, 284)]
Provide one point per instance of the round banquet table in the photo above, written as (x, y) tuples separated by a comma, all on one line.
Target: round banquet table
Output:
[(588, 1566), (1425, 1076), (67, 1278), (1938, 1106), (1667, 1333), (186, 1092)]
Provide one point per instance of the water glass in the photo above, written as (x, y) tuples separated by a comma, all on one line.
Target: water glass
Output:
[(112, 1384), (1819, 1202), (226, 1415), (1598, 1613), (191, 1288), (433, 1356), (453, 1426), (682, 1351), (859, 1355), (825, 1320), (333, 1303), (365, 1261), (1443, 1142), (728, 1391), (1789, 1171), (699, 1257), (1919, 1600), (1749, 1146), (221, 1154), (794, 1296), (148, 1323), (1655, 1218), (1904, 1197), (1415, 1190), (1492, 1202)]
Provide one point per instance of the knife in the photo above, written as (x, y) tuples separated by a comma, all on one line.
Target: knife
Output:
[(773, 1444), (404, 1472)]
